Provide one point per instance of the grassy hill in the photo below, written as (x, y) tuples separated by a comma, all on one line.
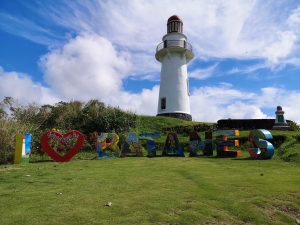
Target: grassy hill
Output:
[(162, 190), (157, 123)]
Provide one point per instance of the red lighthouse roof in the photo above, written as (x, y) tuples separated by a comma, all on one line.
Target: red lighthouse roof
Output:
[(174, 18)]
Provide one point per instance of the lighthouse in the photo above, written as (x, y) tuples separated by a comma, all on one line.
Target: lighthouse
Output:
[(174, 52)]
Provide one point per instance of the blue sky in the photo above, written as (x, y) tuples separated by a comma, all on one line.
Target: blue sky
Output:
[(247, 54)]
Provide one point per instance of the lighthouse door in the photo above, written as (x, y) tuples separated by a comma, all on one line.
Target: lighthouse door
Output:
[(163, 103)]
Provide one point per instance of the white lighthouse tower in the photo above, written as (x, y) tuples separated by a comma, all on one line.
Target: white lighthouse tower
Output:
[(174, 53)]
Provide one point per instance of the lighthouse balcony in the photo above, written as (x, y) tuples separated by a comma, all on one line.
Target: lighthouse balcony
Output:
[(174, 45)]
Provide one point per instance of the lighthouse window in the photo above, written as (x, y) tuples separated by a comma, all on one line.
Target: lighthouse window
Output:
[(163, 103), (165, 44), (179, 28)]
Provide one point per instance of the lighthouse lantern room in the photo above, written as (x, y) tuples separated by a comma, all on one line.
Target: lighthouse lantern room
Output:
[(174, 53)]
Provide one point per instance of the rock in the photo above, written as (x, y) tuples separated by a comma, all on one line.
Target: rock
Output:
[(109, 204)]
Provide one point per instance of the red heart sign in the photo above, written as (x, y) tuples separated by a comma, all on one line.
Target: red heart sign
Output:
[(63, 139)]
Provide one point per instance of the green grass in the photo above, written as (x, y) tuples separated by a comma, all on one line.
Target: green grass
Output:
[(157, 123), (157, 190), (290, 150), (151, 191)]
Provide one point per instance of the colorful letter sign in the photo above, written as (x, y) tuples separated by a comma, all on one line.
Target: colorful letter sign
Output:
[(194, 144), (222, 143), (208, 144), (23, 144), (260, 148), (131, 146), (64, 140), (107, 145), (172, 146), (18, 151), (151, 145)]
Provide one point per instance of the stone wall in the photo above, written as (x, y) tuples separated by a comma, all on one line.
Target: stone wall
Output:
[(183, 116)]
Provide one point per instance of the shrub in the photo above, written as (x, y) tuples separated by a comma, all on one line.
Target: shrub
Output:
[(8, 131), (293, 125), (93, 116)]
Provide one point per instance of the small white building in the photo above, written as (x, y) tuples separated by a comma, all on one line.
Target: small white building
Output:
[(174, 53)]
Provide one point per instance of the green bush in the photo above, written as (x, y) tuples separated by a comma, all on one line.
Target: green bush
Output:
[(8, 131), (293, 125), (90, 117), (297, 137)]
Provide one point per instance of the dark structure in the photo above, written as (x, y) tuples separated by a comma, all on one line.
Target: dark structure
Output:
[(183, 116), (245, 124), (280, 122)]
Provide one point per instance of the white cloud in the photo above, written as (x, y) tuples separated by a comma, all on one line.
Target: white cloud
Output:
[(288, 99), (281, 48), (88, 66), (294, 19), (231, 29), (247, 69), (28, 29), (21, 87), (144, 103), (221, 102), (246, 29), (291, 106), (202, 74)]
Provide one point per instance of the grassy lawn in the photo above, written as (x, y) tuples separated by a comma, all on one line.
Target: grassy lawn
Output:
[(157, 123), (151, 191)]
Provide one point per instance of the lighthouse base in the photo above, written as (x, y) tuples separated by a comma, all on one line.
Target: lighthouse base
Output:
[(183, 116), (281, 126)]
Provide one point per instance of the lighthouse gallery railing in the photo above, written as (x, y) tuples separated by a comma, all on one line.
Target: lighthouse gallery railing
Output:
[(174, 44)]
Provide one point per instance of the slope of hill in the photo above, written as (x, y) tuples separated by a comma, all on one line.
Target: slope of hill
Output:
[(158, 123)]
